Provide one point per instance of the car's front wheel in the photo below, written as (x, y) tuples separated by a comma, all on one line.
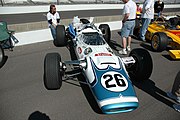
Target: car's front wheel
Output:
[(60, 40), (159, 41), (52, 74), (2, 57), (105, 29), (142, 68)]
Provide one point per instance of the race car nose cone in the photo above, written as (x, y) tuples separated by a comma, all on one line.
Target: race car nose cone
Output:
[(119, 108)]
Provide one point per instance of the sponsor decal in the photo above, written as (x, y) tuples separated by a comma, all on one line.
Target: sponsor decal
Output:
[(114, 81), (103, 54), (79, 50)]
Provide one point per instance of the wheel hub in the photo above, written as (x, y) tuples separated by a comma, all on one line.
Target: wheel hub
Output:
[(155, 42)]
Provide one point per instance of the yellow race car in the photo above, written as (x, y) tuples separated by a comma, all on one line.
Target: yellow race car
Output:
[(163, 33)]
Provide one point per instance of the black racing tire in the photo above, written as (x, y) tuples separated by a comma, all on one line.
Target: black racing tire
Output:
[(52, 74), (2, 56), (142, 68), (105, 29), (137, 28), (60, 40), (159, 41)]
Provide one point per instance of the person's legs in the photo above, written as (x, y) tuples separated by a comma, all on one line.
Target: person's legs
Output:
[(145, 24), (53, 31), (176, 107), (175, 93), (159, 14), (123, 51), (176, 86), (124, 42), (129, 44), (132, 24), (124, 35)]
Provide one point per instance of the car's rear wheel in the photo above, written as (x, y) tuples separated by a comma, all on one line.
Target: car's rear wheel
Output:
[(105, 29), (2, 57), (159, 41), (52, 74), (60, 40), (143, 66)]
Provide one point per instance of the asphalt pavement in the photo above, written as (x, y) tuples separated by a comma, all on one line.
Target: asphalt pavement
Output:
[(24, 97), (37, 17)]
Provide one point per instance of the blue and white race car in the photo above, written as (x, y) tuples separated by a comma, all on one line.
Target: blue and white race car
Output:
[(108, 75)]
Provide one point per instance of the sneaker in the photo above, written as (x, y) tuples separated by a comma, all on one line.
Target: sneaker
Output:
[(176, 107), (128, 48), (143, 40), (170, 95), (123, 52)]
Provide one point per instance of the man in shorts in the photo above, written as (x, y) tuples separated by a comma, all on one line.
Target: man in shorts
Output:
[(128, 24)]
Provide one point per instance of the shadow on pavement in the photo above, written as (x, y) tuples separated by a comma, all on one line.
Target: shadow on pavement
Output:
[(69, 82), (149, 87), (38, 116), (146, 46), (167, 56), (86, 90), (89, 96), (114, 45)]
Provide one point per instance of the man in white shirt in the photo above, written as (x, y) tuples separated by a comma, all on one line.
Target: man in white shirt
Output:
[(128, 24), (147, 15), (53, 20)]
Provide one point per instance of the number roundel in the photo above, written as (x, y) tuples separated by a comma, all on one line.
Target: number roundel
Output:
[(114, 81)]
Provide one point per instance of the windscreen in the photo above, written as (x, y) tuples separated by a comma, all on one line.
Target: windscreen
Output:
[(93, 38)]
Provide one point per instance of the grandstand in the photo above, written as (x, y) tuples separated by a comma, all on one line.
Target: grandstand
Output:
[(49, 1), (41, 2)]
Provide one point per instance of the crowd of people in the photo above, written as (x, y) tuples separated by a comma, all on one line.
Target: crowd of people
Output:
[(147, 15)]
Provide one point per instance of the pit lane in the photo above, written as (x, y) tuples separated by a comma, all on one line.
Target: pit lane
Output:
[(24, 97)]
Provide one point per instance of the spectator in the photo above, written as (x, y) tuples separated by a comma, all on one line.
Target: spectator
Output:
[(175, 93), (139, 9), (53, 20), (147, 15), (128, 24), (158, 7)]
